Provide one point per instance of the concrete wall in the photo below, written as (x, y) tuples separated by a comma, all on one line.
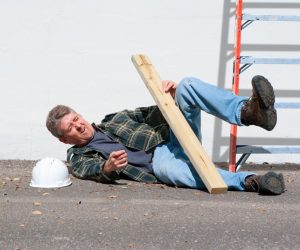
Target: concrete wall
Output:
[(78, 53)]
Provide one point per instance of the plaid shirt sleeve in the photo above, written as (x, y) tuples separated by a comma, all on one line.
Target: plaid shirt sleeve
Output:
[(142, 129), (87, 164)]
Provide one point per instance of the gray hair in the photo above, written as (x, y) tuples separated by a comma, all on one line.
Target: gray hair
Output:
[(54, 117)]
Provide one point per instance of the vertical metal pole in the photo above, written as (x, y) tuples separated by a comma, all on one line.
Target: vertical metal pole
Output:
[(235, 80)]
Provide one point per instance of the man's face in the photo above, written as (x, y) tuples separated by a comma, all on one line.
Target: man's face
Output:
[(75, 130)]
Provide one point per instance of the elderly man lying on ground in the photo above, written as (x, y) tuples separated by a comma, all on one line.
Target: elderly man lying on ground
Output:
[(139, 145)]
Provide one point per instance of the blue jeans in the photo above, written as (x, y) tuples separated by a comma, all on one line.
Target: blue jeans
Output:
[(170, 163)]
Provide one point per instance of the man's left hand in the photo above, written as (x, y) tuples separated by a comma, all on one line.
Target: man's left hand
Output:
[(169, 87)]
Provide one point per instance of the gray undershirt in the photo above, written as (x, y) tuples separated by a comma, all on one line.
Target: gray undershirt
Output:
[(136, 158)]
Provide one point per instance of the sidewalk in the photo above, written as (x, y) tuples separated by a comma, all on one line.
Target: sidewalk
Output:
[(90, 215)]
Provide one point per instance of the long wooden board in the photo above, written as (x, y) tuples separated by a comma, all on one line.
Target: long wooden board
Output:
[(182, 130)]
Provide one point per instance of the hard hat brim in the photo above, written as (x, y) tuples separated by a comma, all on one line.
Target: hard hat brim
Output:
[(58, 185)]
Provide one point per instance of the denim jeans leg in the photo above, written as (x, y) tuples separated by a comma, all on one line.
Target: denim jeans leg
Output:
[(170, 163), (172, 166), (193, 93)]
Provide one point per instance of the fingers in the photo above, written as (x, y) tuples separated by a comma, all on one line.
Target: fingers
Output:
[(118, 159), (118, 153), (168, 85)]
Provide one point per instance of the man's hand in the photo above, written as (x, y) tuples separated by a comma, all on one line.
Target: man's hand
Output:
[(117, 160), (169, 87)]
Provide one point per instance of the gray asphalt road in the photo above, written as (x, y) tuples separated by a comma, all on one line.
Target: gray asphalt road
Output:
[(89, 215)]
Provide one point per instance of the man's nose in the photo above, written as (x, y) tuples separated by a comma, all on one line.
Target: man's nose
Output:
[(77, 126)]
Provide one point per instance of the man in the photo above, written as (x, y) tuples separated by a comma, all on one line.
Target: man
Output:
[(139, 144)]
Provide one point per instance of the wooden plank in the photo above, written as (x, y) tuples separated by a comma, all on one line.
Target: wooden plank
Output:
[(182, 130)]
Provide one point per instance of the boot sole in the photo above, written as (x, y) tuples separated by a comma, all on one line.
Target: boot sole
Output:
[(272, 183), (271, 116), (266, 98), (264, 91)]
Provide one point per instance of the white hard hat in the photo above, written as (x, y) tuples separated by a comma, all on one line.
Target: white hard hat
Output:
[(50, 173)]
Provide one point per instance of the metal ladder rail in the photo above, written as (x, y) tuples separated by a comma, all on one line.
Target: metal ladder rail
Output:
[(247, 61), (247, 150)]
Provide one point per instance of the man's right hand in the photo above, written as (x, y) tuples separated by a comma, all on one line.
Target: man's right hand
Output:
[(117, 160)]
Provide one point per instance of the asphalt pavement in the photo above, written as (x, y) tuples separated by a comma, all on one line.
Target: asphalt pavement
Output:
[(132, 215)]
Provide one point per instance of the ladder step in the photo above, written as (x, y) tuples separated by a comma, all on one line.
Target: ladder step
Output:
[(246, 149), (287, 105), (250, 17), (255, 60)]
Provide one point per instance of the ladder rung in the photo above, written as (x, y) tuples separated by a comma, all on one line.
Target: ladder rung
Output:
[(287, 105), (255, 60), (246, 149), (270, 18)]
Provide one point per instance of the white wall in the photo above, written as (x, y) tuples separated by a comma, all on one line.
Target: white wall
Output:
[(77, 53)]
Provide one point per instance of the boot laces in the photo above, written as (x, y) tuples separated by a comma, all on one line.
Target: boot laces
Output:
[(253, 184)]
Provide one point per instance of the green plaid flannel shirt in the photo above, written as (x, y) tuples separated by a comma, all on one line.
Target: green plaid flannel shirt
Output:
[(141, 129)]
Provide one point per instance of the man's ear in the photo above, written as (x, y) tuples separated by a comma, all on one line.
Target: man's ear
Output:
[(63, 140)]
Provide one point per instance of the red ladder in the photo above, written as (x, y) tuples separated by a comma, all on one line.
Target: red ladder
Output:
[(247, 61), (236, 79)]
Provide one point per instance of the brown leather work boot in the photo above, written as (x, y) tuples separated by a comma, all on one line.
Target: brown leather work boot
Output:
[(269, 184), (259, 109)]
